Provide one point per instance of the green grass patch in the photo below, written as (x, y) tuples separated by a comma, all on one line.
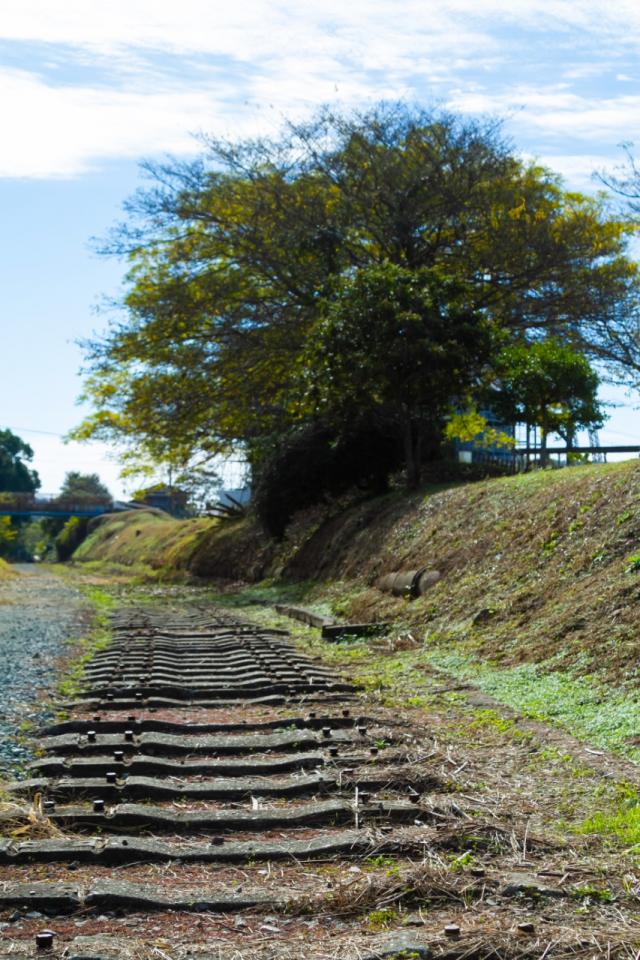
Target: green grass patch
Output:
[(84, 649), (621, 822), (266, 593), (604, 716)]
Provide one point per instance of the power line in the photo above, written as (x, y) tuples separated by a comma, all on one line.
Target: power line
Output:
[(46, 433)]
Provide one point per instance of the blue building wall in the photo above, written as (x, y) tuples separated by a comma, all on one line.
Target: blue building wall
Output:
[(477, 451)]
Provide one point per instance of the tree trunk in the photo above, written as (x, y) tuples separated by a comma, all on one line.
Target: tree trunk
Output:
[(570, 441), (412, 443), (544, 457)]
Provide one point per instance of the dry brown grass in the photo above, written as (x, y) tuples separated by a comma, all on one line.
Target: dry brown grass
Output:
[(533, 566), (31, 823)]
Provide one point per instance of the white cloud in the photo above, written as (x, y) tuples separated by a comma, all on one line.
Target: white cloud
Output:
[(554, 114), (58, 131), (254, 27), (247, 64), (243, 30), (263, 60), (576, 168)]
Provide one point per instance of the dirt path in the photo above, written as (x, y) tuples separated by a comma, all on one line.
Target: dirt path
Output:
[(217, 793), (39, 613)]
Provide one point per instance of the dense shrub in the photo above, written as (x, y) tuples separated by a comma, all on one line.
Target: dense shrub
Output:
[(315, 462)]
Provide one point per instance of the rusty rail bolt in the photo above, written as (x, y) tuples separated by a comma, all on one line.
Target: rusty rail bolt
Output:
[(128, 735), (312, 715), (373, 751), (131, 719), (97, 718), (111, 776), (98, 806), (44, 940), (217, 841), (346, 713), (452, 931), (91, 736)]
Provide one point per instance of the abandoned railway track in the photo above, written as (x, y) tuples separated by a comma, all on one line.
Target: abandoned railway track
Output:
[(214, 792)]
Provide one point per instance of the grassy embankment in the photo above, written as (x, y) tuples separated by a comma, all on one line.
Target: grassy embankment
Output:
[(5, 570), (537, 605), (145, 542)]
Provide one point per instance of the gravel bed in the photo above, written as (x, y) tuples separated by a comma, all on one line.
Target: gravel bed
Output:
[(38, 612)]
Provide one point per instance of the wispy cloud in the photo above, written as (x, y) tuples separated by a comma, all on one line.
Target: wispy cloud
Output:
[(557, 113), (137, 76), (57, 131)]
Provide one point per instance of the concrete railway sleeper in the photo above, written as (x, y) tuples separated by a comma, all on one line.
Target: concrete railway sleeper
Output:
[(310, 722), (238, 788), (128, 815), (192, 745), (218, 771)]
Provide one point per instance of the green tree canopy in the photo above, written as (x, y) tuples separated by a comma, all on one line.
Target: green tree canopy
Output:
[(84, 487), (242, 261), (400, 343), (15, 474), (548, 385)]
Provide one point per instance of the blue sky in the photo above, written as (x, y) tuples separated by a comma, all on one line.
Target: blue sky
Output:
[(87, 89)]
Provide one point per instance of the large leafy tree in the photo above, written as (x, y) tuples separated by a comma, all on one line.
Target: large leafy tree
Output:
[(243, 259), (16, 475)]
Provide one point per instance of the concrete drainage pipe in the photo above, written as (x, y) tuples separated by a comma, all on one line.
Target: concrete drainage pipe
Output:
[(408, 583)]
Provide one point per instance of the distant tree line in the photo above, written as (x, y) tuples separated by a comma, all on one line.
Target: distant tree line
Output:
[(328, 301), (26, 539)]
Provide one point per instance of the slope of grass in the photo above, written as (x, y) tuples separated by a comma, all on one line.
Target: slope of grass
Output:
[(144, 539), (6, 573), (542, 568), (534, 567)]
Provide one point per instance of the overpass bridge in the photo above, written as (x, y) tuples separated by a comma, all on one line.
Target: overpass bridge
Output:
[(34, 506)]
